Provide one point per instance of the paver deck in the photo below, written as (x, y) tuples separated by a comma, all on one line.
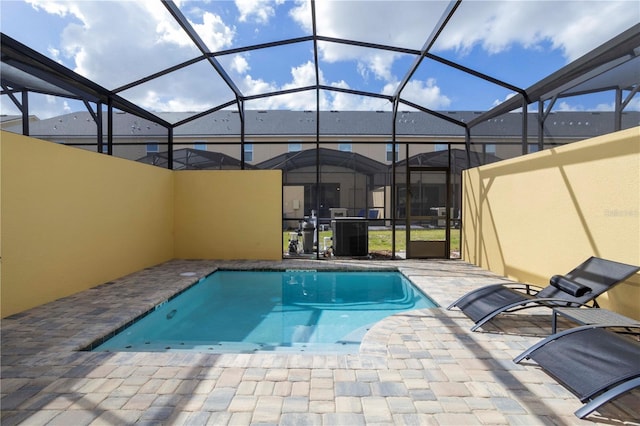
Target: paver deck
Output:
[(422, 367)]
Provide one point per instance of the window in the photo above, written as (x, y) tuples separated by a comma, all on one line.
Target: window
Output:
[(152, 147), (345, 147), (295, 147), (200, 146), (441, 147), (248, 152), (490, 148), (390, 150), (532, 148)]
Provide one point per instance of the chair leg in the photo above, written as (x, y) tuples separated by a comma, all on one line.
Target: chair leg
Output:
[(606, 397)]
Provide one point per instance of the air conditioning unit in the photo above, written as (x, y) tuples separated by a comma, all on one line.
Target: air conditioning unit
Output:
[(350, 237)]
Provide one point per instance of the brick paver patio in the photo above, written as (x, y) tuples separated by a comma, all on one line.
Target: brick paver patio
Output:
[(423, 367)]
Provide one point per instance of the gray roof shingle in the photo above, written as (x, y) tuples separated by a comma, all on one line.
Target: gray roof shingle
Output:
[(569, 124)]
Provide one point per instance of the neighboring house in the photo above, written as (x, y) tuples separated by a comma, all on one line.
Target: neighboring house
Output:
[(368, 133), (355, 155), (12, 121)]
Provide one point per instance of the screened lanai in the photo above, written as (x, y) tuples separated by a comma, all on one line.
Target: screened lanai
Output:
[(495, 75), (193, 159)]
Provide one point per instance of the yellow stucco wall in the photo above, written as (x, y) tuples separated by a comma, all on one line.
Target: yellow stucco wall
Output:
[(228, 214), (72, 219), (542, 214)]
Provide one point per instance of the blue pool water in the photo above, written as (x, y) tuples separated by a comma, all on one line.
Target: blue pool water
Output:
[(249, 311)]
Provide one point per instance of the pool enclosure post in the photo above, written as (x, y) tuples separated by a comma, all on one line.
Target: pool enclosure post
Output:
[(22, 105), (110, 126), (98, 117), (242, 132), (394, 116), (170, 148), (25, 112), (525, 121)]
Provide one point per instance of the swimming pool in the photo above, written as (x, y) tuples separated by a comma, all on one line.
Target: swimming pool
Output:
[(251, 311)]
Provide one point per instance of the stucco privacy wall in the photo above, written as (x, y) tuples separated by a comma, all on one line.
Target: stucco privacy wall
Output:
[(73, 219), (542, 214), (228, 214)]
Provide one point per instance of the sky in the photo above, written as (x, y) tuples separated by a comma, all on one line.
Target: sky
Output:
[(117, 42)]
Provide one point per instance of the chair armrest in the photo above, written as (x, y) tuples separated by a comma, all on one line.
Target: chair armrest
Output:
[(558, 335), (530, 289)]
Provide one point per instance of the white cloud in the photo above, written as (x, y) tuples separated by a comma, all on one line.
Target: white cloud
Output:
[(114, 43), (239, 64), (42, 106), (574, 27), (577, 104), (100, 37), (380, 63), (215, 34), (565, 107), (54, 54), (570, 26), (161, 103), (258, 10), (340, 101), (301, 14), (506, 98), (425, 93), (59, 8), (390, 23), (634, 104), (252, 86), (605, 107), (301, 76), (363, 71), (145, 32)]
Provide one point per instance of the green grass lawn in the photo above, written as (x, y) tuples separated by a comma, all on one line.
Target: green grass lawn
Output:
[(381, 240)]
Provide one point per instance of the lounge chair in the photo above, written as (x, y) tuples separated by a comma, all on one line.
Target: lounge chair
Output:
[(580, 287), (595, 364)]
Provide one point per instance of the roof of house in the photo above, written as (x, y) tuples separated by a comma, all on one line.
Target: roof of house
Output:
[(194, 159), (274, 123)]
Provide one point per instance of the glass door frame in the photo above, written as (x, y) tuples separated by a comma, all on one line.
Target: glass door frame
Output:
[(410, 217)]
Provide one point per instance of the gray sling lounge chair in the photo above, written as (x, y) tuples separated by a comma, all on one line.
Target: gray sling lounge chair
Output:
[(580, 287), (595, 364)]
